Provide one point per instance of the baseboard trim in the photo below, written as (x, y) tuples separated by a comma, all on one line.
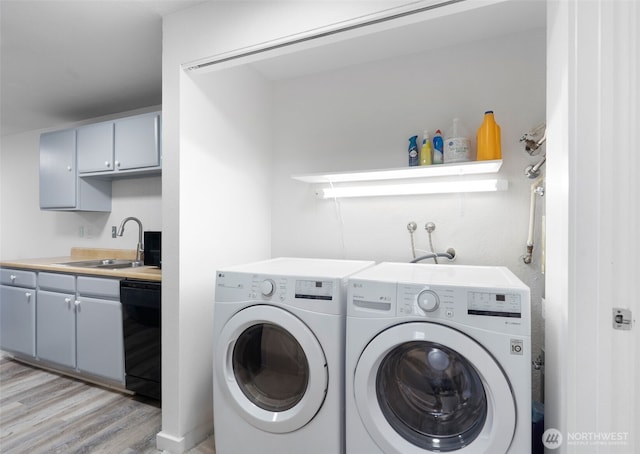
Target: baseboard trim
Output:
[(169, 443), (177, 445)]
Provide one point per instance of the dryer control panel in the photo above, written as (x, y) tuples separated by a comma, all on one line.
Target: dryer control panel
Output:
[(321, 295)]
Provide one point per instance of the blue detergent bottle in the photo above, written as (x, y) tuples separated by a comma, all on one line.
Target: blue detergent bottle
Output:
[(438, 148), (413, 151)]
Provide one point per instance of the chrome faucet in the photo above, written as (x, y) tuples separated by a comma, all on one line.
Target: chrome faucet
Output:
[(140, 247)]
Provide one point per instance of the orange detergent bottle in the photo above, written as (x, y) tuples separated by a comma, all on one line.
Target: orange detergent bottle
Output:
[(488, 138)]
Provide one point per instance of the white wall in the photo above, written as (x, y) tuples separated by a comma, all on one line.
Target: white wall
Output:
[(217, 131), (28, 232), (361, 117), (202, 152)]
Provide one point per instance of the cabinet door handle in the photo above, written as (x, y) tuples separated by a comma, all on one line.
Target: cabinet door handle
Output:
[(118, 164), (28, 296), (77, 305), (107, 164), (68, 168), (68, 301), (13, 278)]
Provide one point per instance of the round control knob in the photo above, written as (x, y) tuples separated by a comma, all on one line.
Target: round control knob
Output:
[(267, 287), (428, 300)]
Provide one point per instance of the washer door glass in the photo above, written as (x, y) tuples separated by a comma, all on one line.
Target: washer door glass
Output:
[(270, 367), (424, 387), (431, 395)]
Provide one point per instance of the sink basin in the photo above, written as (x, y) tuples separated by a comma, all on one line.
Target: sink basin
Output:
[(109, 264), (126, 264)]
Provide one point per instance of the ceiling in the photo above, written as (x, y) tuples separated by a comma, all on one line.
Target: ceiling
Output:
[(65, 61)]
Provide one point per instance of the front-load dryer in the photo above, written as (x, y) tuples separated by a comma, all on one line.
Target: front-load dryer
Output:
[(278, 379), (438, 360)]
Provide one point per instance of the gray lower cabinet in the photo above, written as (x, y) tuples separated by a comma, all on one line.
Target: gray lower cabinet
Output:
[(79, 325), (56, 319), (18, 311), (99, 336)]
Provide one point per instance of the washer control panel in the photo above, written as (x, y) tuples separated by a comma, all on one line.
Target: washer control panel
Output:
[(428, 300), (425, 300), (267, 287), (371, 299), (447, 302), (482, 297)]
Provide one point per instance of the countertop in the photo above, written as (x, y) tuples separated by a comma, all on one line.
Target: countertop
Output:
[(55, 264)]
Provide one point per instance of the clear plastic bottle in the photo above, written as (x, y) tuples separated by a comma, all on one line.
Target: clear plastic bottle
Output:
[(457, 145), (488, 138), (438, 148), (425, 151)]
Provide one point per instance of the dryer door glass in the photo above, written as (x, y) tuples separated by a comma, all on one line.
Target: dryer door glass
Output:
[(270, 367), (431, 395)]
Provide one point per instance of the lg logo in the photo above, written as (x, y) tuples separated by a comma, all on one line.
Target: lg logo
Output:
[(552, 439)]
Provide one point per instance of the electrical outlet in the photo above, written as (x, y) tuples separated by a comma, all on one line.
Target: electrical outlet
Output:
[(114, 231)]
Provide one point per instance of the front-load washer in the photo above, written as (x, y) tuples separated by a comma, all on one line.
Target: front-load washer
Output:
[(278, 379), (437, 360)]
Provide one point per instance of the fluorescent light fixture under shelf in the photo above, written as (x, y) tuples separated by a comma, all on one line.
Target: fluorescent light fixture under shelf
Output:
[(438, 170), (441, 187)]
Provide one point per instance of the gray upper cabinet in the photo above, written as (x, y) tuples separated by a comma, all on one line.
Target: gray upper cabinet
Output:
[(58, 169), (76, 165), (125, 146), (95, 147), (60, 187), (137, 142)]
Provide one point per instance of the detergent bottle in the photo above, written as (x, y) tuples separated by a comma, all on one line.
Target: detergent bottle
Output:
[(488, 138), (438, 148), (425, 151), (413, 151)]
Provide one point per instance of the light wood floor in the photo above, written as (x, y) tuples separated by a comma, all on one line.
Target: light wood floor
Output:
[(43, 412)]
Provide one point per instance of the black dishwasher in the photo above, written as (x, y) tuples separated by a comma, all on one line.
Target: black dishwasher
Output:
[(141, 319)]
